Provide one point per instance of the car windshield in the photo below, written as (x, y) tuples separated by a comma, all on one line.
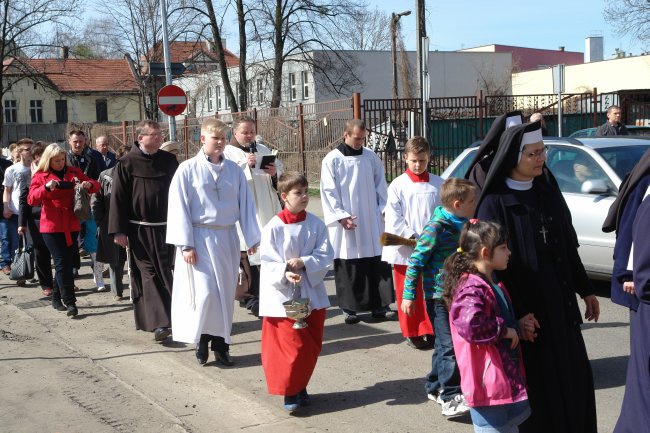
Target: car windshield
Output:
[(622, 158)]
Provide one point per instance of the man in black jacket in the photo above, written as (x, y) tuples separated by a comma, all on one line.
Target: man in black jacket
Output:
[(613, 126), (88, 160)]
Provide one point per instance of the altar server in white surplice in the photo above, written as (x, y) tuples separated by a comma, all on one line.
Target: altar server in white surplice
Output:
[(207, 196), (353, 195), (412, 197), (296, 255)]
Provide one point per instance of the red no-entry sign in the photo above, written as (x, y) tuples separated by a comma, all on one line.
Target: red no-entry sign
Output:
[(172, 100)]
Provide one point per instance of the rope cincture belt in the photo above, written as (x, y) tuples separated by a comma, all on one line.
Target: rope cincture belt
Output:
[(212, 226), (145, 223)]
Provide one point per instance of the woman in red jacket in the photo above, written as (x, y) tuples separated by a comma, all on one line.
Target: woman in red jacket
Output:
[(52, 188)]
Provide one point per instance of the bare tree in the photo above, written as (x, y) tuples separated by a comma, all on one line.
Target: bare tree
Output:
[(365, 29), (630, 17), (136, 27), (215, 24), (23, 24), (293, 29), (406, 72), (95, 41)]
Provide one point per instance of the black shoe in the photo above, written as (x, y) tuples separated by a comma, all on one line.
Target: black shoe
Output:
[(384, 315), (160, 334), (291, 403), (58, 305), (418, 343), (202, 352), (223, 357), (350, 319), (303, 398), (72, 310)]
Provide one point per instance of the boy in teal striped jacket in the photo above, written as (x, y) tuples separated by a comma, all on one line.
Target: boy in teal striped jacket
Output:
[(439, 240)]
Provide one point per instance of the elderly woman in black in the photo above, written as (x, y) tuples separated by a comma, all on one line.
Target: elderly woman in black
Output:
[(544, 275), (108, 251)]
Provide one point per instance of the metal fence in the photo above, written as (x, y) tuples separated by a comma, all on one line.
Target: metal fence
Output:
[(301, 134), (305, 133)]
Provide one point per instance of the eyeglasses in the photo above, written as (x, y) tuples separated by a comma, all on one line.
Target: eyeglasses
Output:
[(537, 154)]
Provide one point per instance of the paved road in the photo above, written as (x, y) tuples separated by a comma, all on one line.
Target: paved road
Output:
[(96, 373)]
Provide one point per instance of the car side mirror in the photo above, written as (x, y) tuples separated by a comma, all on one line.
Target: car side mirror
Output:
[(595, 186)]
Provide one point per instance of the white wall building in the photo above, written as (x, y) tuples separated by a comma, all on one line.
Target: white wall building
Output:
[(451, 74), (625, 73)]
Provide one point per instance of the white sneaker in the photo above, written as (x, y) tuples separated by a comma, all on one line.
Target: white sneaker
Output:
[(435, 397), (455, 407), (102, 288)]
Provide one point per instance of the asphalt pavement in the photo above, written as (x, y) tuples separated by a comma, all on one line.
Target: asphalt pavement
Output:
[(97, 373)]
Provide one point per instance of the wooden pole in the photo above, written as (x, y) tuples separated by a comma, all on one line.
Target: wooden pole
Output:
[(356, 105)]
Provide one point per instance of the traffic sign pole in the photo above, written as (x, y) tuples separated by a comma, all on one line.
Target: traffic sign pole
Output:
[(168, 68)]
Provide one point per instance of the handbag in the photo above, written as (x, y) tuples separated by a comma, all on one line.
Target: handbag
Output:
[(81, 203), (22, 267)]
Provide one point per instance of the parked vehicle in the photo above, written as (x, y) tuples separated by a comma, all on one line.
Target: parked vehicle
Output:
[(643, 131), (605, 162)]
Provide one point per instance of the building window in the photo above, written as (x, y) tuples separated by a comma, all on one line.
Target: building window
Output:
[(11, 111), (218, 94), (260, 91), (101, 110), (36, 111), (305, 84), (226, 103), (209, 96), (61, 111), (293, 91)]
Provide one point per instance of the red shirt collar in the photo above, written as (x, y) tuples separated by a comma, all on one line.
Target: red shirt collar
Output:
[(423, 177), (290, 218)]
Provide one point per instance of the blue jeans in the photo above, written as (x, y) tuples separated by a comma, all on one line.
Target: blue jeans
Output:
[(444, 376), (9, 234), (5, 254), (504, 418)]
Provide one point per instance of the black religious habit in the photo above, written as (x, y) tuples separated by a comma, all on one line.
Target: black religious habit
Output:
[(543, 276)]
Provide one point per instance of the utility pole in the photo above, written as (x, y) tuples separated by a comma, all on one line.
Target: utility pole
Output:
[(394, 20), (168, 65), (421, 30)]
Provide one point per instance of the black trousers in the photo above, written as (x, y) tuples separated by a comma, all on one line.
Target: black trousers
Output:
[(42, 257), (216, 343), (62, 255)]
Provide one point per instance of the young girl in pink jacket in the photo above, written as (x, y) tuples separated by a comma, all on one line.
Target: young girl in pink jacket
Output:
[(484, 330)]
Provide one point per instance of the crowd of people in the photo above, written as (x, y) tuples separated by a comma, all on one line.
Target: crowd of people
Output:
[(485, 270)]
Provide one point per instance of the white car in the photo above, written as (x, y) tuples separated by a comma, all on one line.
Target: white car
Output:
[(607, 160)]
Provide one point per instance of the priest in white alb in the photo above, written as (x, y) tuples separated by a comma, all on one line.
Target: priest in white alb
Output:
[(353, 195), (207, 196), (246, 150)]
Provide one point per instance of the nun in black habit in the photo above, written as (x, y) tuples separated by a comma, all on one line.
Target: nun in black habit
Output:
[(481, 163), (543, 276), (619, 218), (635, 411)]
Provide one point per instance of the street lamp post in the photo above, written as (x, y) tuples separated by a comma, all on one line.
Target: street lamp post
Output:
[(393, 33)]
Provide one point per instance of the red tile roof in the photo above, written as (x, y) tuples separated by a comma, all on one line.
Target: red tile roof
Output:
[(184, 52), (84, 75)]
